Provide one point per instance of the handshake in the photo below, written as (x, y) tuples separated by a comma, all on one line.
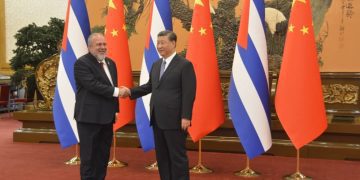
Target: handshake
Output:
[(124, 92)]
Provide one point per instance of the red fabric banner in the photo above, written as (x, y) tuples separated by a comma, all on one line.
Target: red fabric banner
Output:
[(118, 50), (299, 101), (208, 111)]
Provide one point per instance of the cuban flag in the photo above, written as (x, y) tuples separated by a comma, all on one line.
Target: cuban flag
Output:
[(249, 86), (160, 19), (74, 45)]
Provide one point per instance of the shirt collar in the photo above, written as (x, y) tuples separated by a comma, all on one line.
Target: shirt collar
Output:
[(102, 61), (168, 59)]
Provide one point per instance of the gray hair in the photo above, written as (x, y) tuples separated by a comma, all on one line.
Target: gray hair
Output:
[(92, 36)]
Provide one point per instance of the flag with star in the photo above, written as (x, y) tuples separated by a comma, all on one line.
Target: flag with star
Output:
[(118, 50), (299, 100), (76, 32), (208, 111)]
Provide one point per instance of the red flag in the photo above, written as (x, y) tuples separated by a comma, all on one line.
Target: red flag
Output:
[(208, 111), (299, 100), (118, 50)]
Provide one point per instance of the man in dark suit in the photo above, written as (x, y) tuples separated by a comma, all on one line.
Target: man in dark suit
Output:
[(96, 107), (172, 83)]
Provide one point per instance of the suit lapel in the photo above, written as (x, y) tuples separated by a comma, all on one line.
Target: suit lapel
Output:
[(156, 70), (105, 77), (99, 68), (168, 70), (112, 71)]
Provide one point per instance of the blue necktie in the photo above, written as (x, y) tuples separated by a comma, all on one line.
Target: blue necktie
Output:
[(162, 68)]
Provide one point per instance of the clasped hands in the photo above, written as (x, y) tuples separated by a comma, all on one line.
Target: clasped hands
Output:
[(124, 92)]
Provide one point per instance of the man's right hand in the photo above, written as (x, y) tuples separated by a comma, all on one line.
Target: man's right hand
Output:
[(124, 92)]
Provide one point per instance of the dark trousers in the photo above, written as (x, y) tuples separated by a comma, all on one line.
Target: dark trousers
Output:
[(171, 153), (95, 144)]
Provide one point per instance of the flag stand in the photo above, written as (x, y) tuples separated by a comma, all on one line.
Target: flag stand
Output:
[(114, 162), (297, 175), (199, 168), (152, 167), (76, 159), (247, 172)]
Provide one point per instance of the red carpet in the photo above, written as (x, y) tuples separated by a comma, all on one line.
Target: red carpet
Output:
[(22, 161)]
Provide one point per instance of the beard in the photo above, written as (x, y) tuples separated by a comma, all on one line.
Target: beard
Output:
[(100, 57)]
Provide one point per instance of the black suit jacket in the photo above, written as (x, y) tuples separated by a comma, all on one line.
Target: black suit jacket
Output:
[(173, 96), (94, 96)]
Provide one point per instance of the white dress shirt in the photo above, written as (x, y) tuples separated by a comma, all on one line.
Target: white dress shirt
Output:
[(168, 60), (107, 72)]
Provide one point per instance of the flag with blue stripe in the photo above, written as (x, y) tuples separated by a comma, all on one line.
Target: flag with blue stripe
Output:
[(249, 86), (160, 19), (76, 32)]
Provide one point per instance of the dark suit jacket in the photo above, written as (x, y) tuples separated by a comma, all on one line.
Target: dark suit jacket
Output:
[(173, 96), (94, 96)]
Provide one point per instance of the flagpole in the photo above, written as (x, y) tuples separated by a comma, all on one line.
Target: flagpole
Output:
[(297, 175), (247, 172), (199, 168), (114, 162), (76, 159)]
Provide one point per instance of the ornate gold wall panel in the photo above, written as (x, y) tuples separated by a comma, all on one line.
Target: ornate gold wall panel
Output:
[(341, 93)]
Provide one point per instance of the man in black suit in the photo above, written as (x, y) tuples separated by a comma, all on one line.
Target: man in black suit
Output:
[(172, 83), (96, 107)]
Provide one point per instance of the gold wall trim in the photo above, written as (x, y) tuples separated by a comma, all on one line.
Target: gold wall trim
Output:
[(4, 66)]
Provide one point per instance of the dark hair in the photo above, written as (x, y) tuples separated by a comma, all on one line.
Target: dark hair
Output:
[(170, 34)]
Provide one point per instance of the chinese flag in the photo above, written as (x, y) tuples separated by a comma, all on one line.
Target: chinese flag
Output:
[(299, 100), (208, 111), (118, 50)]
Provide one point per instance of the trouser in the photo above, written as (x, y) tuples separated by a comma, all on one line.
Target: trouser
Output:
[(95, 144), (171, 153)]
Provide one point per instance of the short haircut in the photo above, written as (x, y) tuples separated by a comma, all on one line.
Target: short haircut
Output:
[(170, 34), (91, 37)]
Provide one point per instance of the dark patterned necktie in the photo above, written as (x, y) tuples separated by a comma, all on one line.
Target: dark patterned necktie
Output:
[(101, 65)]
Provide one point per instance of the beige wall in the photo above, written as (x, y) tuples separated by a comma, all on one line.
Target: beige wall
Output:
[(341, 48), (95, 10), (15, 14), (20, 13)]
